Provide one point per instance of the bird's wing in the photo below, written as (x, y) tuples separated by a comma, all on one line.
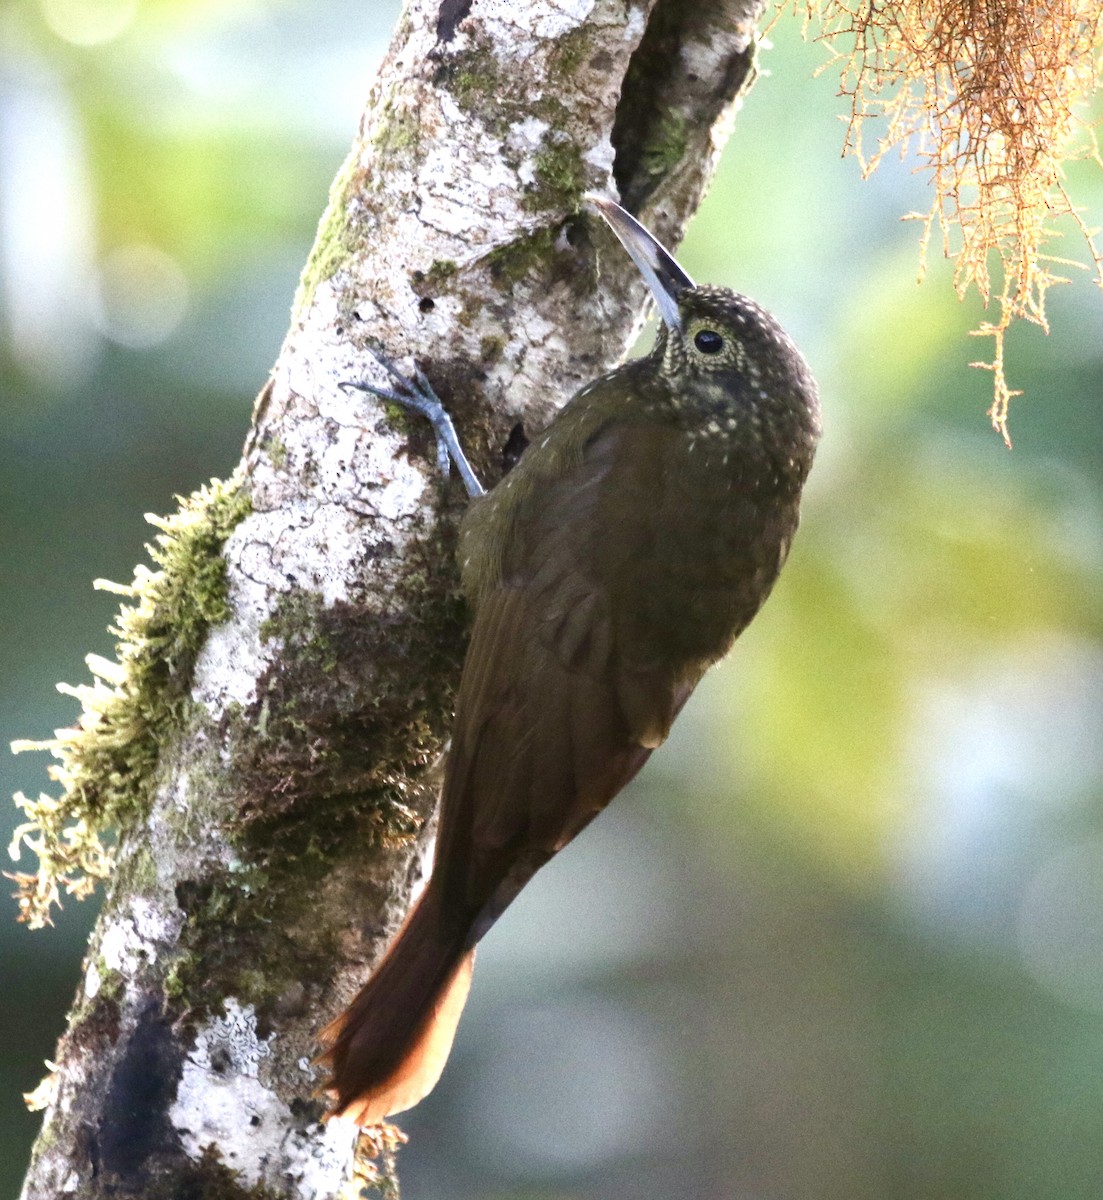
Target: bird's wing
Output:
[(556, 711)]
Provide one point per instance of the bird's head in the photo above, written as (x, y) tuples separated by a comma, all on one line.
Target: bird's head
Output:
[(716, 346)]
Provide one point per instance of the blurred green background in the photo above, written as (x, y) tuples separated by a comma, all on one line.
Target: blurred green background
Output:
[(844, 937)]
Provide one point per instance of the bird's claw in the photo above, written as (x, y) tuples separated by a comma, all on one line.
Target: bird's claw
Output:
[(417, 393)]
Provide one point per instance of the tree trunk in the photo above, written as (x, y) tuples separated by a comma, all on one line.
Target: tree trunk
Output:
[(289, 785)]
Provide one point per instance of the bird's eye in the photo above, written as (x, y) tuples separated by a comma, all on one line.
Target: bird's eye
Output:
[(708, 341)]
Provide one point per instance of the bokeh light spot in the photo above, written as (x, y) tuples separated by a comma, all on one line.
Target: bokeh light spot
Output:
[(89, 22), (141, 296)]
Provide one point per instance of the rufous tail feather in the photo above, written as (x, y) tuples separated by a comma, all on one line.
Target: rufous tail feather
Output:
[(388, 1049)]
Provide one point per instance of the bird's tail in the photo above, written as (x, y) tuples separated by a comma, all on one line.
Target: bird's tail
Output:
[(387, 1050)]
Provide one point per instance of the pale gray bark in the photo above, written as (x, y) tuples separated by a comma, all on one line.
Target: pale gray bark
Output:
[(251, 903)]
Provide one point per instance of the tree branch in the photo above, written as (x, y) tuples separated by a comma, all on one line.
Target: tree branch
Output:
[(278, 840)]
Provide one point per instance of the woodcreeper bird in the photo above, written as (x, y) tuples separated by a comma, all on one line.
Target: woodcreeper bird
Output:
[(618, 560)]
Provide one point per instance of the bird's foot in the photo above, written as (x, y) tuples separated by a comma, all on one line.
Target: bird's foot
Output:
[(417, 393)]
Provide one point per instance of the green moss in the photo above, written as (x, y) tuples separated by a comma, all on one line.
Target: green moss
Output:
[(276, 449), (512, 263), (470, 308), (176, 978), (209, 1178), (666, 144), (335, 241), (569, 52), (94, 1024), (112, 983), (491, 349), (107, 764), (323, 767), (439, 273), (333, 757), (46, 1140), (478, 85), (442, 269), (141, 870), (293, 623), (398, 131), (429, 284), (273, 892), (475, 81), (560, 175)]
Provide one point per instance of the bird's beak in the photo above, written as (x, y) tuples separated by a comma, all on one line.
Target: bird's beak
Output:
[(661, 273)]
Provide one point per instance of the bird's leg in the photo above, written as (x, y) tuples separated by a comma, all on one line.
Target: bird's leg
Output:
[(417, 393)]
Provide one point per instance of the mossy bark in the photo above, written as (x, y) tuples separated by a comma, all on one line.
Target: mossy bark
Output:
[(292, 790)]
